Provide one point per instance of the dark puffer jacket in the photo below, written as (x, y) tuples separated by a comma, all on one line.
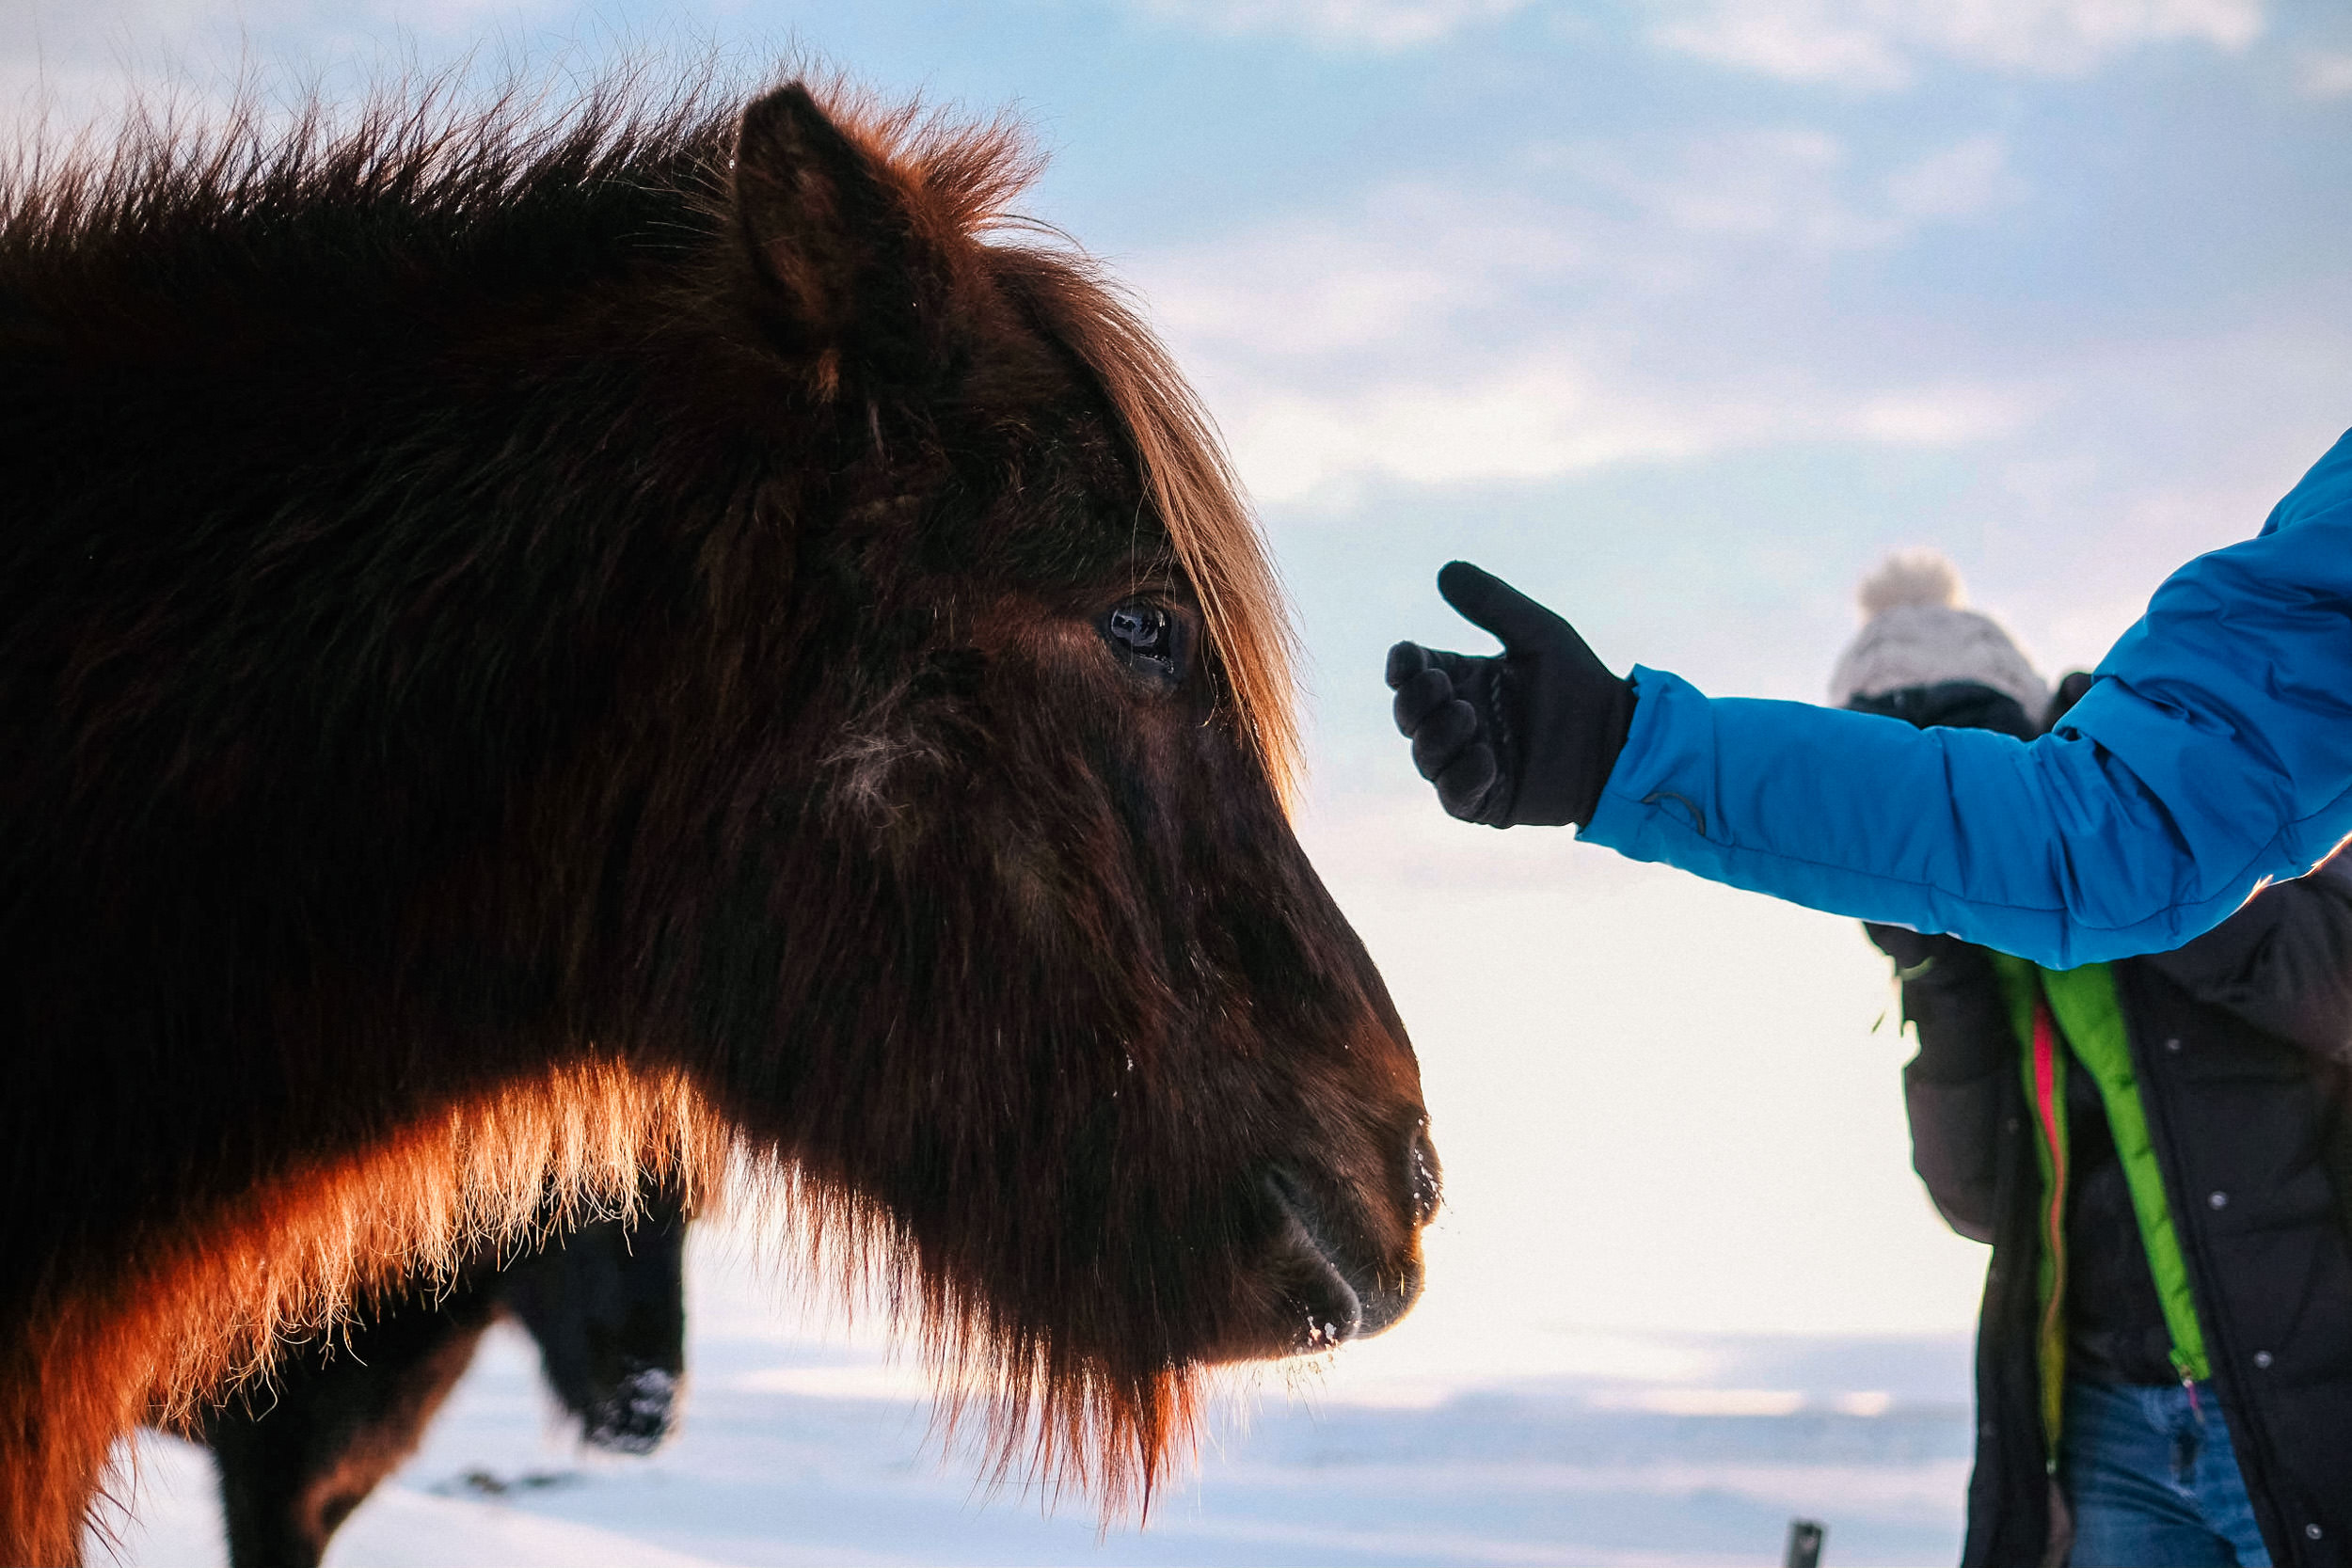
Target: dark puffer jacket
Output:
[(2240, 1042)]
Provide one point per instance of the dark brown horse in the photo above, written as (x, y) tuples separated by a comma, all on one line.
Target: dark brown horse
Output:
[(544, 659), (604, 1301)]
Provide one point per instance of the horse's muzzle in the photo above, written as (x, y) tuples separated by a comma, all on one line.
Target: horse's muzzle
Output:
[(1336, 1292)]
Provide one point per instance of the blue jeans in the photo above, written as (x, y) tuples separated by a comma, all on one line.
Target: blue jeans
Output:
[(2154, 1480)]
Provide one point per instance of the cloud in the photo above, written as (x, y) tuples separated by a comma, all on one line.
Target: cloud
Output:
[(1658, 216), (1785, 187), (1878, 45), (66, 64), (1551, 414), (1543, 417), (1610, 305), (1381, 25), (1866, 44), (1961, 181), (1795, 188), (2324, 76), (1948, 414)]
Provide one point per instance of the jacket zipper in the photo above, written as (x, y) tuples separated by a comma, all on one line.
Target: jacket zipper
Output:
[(2048, 1111)]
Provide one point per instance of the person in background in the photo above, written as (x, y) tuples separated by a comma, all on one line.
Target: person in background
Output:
[(2216, 756), (2158, 1150)]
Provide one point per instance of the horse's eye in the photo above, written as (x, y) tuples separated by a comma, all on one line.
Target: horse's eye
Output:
[(1148, 637)]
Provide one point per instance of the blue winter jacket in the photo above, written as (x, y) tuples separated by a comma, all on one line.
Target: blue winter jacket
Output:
[(2217, 757)]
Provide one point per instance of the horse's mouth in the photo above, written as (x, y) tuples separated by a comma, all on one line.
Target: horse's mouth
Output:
[(1336, 1295)]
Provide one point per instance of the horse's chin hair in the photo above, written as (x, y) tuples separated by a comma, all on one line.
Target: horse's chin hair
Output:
[(208, 1308), (1036, 1415)]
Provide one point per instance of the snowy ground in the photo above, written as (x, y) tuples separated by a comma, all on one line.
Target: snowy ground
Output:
[(807, 1446)]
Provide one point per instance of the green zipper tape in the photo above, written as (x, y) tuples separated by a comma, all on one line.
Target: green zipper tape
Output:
[(2084, 1005)]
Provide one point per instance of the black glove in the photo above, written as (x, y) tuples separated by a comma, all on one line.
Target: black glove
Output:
[(2071, 688), (1952, 996), (1914, 952), (1524, 739)]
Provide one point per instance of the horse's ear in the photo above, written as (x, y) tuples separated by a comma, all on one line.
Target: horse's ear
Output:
[(827, 236)]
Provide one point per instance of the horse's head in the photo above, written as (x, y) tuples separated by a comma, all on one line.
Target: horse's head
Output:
[(606, 1301), (514, 638), (1068, 1020)]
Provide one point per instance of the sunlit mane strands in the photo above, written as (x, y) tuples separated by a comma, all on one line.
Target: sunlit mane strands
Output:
[(392, 184), (542, 652), (1193, 487)]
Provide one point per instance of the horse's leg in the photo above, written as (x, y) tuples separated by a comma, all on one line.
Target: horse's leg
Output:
[(607, 1306), (297, 1455)]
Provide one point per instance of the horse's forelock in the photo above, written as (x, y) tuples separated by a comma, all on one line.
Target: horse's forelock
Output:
[(1192, 486), (959, 182)]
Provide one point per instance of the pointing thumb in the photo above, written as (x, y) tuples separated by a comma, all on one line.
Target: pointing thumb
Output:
[(1486, 600)]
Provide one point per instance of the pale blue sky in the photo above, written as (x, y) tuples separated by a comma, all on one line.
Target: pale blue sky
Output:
[(1679, 312)]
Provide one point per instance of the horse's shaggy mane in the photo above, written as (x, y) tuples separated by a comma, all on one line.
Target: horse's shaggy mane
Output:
[(423, 182), (502, 187)]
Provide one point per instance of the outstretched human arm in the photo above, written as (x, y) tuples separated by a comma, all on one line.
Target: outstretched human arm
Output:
[(2216, 756)]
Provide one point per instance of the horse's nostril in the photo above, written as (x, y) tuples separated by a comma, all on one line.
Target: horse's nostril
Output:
[(1421, 1174), (1330, 1311), (1332, 1285), (1326, 1306)]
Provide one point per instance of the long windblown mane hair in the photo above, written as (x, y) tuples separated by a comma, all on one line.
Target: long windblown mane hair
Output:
[(275, 222)]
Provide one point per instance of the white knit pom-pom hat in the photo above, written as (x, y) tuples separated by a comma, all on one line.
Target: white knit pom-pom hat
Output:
[(1917, 631)]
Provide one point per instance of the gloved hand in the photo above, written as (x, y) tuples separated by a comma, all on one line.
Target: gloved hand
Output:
[(1952, 996), (1523, 739)]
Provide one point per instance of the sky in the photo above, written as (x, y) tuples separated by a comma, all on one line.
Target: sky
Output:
[(1679, 313)]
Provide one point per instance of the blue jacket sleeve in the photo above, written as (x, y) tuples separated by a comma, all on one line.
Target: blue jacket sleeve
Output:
[(2217, 757)]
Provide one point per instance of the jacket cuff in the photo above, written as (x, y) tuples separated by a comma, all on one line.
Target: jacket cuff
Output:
[(1671, 740)]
